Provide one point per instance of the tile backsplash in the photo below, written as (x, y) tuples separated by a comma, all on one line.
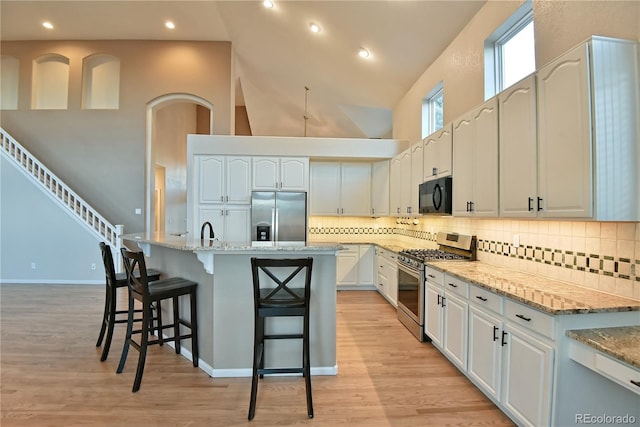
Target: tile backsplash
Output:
[(598, 255)]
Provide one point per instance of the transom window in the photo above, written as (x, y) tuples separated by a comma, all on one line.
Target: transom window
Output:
[(433, 111)]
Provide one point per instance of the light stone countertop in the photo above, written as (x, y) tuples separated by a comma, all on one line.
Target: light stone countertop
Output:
[(545, 294), (184, 242), (622, 343)]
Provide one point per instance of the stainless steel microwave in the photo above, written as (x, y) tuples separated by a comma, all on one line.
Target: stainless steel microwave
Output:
[(436, 196)]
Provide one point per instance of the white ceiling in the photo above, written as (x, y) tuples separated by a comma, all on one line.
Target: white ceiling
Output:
[(276, 54)]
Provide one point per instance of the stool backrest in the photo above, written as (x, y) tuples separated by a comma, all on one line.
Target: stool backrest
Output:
[(282, 273), (136, 272), (107, 260)]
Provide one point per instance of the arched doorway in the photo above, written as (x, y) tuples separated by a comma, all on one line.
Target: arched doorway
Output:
[(170, 118)]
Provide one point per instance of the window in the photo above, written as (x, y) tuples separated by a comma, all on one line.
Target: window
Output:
[(510, 51), (433, 111)]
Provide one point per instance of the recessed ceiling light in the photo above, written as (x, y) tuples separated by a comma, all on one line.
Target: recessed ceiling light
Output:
[(315, 28), (363, 53), (170, 25), (47, 25), (268, 4)]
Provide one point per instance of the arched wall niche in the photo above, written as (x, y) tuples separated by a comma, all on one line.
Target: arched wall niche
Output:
[(9, 79), (50, 82), (101, 82)]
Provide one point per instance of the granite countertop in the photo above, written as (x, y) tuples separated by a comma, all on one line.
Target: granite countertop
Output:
[(184, 242), (622, 343), (545, 294)]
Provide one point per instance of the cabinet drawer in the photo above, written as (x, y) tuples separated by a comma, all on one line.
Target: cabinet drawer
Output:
[(529, 318), (485, 299), (433, 276), (453, 284)]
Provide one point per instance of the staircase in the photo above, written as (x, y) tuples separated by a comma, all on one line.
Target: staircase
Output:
[(62, 194)]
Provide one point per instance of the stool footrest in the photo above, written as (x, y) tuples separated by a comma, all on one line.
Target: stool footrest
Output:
[(267, 371), (283, 336)]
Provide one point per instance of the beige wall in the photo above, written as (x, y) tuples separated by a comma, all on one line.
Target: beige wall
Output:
[(559, 25), (101, 153)]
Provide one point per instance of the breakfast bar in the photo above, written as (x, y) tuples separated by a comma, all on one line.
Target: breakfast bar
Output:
[(225, 299)]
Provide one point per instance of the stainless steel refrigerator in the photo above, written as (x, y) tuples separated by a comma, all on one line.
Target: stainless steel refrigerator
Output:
[(279, 216)]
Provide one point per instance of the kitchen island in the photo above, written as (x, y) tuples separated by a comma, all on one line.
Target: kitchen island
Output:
[(225, 299)]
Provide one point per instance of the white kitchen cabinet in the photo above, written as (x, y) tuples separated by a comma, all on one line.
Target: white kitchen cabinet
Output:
[(380, 188), (475, 162), (395, 184), (280, 173), (437, 154), (405, 183), (223, 179), (455, 312), (340, 188), (485, 350), (387, 275), (230, 223), (527, 376), (417, 178), (588, 153), (433, 320), (518, 150), (354, 267)]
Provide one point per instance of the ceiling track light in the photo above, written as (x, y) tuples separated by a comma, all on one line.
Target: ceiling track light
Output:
[(363, 53), (268, 4)]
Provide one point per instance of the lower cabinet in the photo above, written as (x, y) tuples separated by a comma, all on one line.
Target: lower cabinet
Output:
[(386, 275), (354, 267), (230, 223)]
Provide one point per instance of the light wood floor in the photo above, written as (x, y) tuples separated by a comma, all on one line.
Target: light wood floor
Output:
[(51, 374)]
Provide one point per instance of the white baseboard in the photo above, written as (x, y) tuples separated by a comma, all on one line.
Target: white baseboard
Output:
[(50, 282)]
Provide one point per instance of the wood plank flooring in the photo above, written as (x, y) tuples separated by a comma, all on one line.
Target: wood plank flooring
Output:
[(51, 374)]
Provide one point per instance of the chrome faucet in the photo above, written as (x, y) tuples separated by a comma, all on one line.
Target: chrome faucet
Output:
[(211, 233)]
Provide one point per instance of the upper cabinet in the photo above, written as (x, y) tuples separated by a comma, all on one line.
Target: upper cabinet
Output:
[(340, 188), (417, 177), (280, 173), (380, 188), (588, 154), (401, 198), (437, 154), (223, 179), (518, 148), (475, 162)]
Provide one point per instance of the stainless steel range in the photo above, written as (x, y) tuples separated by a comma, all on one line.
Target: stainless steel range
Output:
[(451, 247)]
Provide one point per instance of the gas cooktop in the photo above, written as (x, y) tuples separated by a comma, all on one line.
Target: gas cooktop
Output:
[(451, 247)]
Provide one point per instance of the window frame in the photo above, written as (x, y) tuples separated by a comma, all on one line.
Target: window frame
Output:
[(429, 110)]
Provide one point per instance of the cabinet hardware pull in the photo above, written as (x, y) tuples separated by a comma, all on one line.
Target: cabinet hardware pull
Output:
[(528, 319), (438, 299), (467, 206), (539, 202), (443, 298), (222, 199), (471, 206), (481, 298), (431, 275), (529, 204), (453, 285), (434, 172), (495, 336), (636, 383), (504, 334)]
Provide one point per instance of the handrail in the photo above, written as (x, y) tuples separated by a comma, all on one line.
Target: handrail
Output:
[(61, 193)]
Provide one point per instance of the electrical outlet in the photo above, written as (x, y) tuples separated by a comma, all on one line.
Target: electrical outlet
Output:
[(93, 266), (516, 240), (33, 265)]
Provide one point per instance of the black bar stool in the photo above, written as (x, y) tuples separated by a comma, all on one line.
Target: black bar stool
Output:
[(153, 293), (280, 301), (113, 281)]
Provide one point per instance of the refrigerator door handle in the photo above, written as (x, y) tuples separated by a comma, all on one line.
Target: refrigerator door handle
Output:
[(275, 224)]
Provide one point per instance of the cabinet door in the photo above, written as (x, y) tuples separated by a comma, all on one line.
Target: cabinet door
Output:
[(417, 177), (294, 174), (462, 166), (266, 175), (210, 178), (526, 378), (564, 136), (395, 184), (237, 222), (365, 265), (433, 314), (214, 215), (391, 268), (238, 180), (455, 330), (380, 188), (518, 150), (405, 183), (324, 191), (347, 266), (444, 147), (355, 194), (485, 351), (485, 160), (429, 158)]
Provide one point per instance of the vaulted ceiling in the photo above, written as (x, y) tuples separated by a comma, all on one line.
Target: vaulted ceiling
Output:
[(283, 69)]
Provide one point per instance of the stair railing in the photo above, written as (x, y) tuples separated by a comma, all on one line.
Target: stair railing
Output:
[(62, 194)]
